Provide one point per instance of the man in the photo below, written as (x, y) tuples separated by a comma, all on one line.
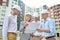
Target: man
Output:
[(48, 27), (10, 24), (35, 17), (36, 35)]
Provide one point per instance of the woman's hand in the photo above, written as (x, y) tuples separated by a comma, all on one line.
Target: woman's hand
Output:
[(25, 25)]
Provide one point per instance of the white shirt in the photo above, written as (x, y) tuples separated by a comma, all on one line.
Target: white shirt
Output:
[(39, 26), (9, 25)]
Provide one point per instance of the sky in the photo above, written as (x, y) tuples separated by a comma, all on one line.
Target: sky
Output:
[(39, 3)]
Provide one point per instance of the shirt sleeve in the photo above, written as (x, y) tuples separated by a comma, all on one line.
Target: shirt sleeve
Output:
[(51, 26), (5, 28)]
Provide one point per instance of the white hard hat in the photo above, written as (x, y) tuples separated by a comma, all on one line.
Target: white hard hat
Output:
[(16, 7), (45, 12), (27, 13), (35, 14)]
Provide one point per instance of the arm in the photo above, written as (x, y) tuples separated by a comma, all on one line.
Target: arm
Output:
[(5, 28), (47, 31), (51, 27), (42, 30)]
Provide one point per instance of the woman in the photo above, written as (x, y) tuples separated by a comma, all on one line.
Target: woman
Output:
[(24, 28)]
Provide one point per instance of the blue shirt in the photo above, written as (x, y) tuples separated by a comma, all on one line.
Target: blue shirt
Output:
[(49, 25)]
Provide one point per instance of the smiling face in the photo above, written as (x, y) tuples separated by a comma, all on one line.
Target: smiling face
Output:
[(28, 18)]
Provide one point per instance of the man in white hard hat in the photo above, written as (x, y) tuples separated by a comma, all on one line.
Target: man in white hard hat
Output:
[(10, 24), (48, 27), (36, 35), (35, 17)]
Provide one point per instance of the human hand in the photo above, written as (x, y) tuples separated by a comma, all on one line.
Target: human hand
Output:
[(41, 37), (40, 30), (25, 25)]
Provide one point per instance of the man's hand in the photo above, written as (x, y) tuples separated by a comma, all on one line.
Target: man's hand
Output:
[(41, 37), (40, 30), (32, 34), (25, 25)]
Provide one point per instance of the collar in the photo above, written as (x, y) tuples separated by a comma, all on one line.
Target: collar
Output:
[(47, 19)]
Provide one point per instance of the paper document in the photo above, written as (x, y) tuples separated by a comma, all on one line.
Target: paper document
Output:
[(37, 33), (32, 27)]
